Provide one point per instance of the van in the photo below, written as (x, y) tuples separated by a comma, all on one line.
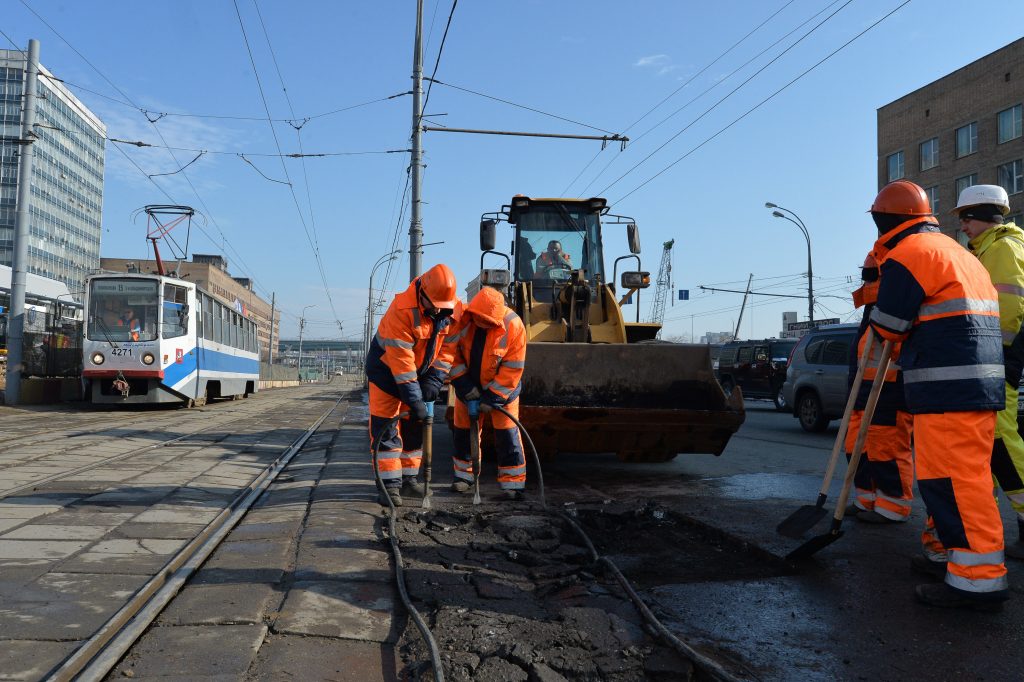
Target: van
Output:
[(818, 376), (757, 367)]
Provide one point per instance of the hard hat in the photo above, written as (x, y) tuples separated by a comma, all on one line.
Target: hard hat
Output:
[(438, 285), (976, 195), (902, 197)]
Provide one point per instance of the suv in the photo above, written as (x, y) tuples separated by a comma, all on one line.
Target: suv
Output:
[(818, 376), (757, 367)]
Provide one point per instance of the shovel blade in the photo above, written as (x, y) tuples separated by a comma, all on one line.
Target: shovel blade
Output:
[(818, 542), (802, 520)]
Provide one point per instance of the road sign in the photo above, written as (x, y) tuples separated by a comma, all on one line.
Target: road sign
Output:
[(804, 326), (684, 294)]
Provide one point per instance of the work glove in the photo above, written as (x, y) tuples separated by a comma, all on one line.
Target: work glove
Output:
[(429, 391), (473, 394), (418, 411), (485, 407)]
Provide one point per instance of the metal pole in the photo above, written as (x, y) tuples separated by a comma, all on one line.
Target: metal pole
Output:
[(19, 265), (416, 220), (302, 326), (807, 237), (273, 303), (736, 334)]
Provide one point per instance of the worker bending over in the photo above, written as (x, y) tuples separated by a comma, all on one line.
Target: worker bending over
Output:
[(1000, 248), (406, 365), (488, 360), (939, 300), (884, 481)]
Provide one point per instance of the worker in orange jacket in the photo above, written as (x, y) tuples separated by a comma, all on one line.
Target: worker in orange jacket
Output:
[(406, 365), (938, 299), (884, 481), (487, 368)]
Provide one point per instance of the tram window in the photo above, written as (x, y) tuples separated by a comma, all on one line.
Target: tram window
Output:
[(218, 323), (175, 312)]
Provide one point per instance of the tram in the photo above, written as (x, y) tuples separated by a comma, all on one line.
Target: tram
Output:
[(159, 339)]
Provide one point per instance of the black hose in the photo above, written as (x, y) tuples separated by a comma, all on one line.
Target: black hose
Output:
[(536, 457), (421, 625)]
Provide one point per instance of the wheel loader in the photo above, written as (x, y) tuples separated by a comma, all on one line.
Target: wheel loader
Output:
[(594, 382)]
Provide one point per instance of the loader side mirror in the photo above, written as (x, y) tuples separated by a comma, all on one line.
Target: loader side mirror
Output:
[(488, 235), (499, 279), (633, 235), (636, 280)]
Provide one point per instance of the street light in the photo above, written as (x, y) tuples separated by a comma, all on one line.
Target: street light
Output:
[(369, 297), (302, 325), (807, 236)]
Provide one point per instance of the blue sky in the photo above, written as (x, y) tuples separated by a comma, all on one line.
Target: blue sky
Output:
[(812, 148)]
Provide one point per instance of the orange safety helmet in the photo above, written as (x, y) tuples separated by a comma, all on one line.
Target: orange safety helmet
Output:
[(438, 285), (902, 197)]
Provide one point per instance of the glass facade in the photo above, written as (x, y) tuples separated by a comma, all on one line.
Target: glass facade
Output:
[(65, 216), (1011, 125)]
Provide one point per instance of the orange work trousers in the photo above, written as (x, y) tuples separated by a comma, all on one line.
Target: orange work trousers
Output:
[(884, 480), (401, 444), (953, 452), (508, 444)]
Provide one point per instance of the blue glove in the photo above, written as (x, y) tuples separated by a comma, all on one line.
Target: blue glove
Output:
[(473, 406), (430, 410)]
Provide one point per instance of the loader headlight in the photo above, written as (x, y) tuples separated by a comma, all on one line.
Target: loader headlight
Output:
[(148, 359), (97, 358)]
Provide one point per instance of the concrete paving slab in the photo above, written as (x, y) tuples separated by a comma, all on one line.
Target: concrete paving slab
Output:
[(26, 511), (144, 556), (342, 563), (6, 524), (223, 604), (56, 532), (31, 660), (249, 561), (348, 610), (177, 515), (74, 517), (185, 531), (40, 549), (308, 658), (198, 652)]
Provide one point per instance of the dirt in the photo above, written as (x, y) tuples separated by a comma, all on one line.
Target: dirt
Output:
[(512, 594)]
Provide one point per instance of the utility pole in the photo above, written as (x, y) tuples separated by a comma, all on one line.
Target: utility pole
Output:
[(19, 265), (736, 334), (416, 219), (273, 304)]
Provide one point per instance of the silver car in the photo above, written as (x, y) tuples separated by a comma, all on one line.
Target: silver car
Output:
[(818, 376)]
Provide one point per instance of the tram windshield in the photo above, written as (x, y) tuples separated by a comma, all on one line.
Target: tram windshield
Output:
[(123, 310)]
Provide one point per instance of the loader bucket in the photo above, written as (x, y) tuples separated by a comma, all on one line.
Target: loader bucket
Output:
[(644, 402)]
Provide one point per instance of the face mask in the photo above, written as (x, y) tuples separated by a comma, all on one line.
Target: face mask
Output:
[(869, 274), (438, 313)]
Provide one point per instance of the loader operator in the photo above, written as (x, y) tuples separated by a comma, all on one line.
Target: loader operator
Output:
[(553, 259), (406, 365), (487, 366), (939, 300), (884, 480), (1000, 248)]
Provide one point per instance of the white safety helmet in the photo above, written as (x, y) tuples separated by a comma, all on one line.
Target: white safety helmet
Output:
[(976, 195)]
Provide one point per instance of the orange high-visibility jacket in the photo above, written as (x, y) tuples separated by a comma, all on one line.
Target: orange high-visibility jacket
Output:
[(408, 346), (489, 349)]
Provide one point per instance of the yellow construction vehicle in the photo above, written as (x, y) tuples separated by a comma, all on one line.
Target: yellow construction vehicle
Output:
[(593, 381)]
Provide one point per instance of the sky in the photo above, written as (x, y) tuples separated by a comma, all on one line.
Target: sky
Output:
[(697, 86)]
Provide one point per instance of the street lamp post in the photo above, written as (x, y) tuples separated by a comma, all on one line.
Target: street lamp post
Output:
[(778, 213), (369, 296), (302, 326)]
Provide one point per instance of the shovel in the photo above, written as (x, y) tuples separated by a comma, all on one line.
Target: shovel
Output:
[(819, 542), (807, 516), (428, 454), (473, 407)]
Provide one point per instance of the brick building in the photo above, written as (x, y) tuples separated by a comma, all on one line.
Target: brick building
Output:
[(963, 129), (210, 272)]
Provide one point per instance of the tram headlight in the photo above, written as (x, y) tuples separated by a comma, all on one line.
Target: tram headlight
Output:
[(97, 358), (148, 359)]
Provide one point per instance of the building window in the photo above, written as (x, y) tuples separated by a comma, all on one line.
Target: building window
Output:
[(930, 153), (933, 198), (1011, 176), (965, 182), (1010, 127), (1013, 218), (895, 162), (967, 140)]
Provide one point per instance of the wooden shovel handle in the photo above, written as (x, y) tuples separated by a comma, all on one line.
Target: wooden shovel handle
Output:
[(844, 425)]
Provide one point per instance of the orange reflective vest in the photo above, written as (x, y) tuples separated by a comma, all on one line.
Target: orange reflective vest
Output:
[(489, 350)]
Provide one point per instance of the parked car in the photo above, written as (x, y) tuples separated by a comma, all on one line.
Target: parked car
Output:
[(818, 375), (758, 367)]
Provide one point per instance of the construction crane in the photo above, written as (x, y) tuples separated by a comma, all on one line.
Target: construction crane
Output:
[(664, 285)]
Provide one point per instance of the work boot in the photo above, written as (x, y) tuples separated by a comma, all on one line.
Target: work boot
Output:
[(460, 486), (394, 493), (512, 495), (943, 596), (925, 566), (874, 517), (1015, 550), (412, 487)]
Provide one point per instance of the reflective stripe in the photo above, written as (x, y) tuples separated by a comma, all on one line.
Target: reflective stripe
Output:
[(457, 371), (934, 555), (890, 321), (513, 471), (441, 364), (405, 376), (514, 364), (899, 501), (397, 343), (960, 305), (455, 337), (498, 388), (410, 471), (412, 453), (503, 341), (953, 373), (1017, 497), (889, 514), (509, 316), (512, 485), (962, 558), (984, 585), (1008, 338), (1012, 289)]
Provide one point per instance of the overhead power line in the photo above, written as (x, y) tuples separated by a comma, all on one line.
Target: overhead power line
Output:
[(440, 49)]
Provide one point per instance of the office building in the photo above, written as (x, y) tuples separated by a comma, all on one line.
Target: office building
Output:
[(65, 216)]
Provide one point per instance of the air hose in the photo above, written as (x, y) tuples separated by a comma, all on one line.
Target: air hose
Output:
[(421, 625)]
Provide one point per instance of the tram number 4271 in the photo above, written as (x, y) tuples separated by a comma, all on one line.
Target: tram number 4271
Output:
[(120, 351)]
